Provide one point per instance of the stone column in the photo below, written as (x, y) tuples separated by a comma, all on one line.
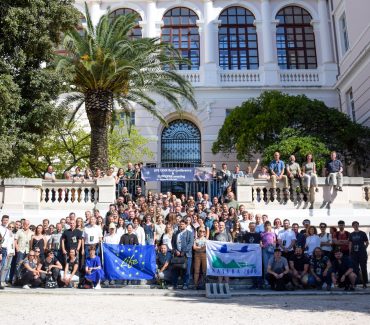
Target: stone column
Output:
[(150, 26), (209, 45), (95, 11), (267, 30), (107, 192), (328, 68)]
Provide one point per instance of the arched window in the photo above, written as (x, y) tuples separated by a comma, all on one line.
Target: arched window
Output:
[(237, 40), (295, 39), (180, 29), (136, 31)]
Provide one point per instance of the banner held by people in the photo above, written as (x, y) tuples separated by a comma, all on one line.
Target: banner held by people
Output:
[(129, 262), (233, 259)]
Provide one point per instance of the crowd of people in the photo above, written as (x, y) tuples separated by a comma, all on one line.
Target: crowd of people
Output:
[(69, 253)]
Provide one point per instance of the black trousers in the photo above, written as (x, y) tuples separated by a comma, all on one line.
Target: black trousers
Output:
[(29, 279), (359, 260), (278, 284)]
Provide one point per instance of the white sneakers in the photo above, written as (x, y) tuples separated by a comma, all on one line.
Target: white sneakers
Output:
[(26, 286), (97, 287)]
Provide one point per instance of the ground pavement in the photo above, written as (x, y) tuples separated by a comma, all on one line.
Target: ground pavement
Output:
[(154, 306)]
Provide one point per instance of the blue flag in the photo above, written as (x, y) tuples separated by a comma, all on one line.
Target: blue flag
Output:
[(129, 262)]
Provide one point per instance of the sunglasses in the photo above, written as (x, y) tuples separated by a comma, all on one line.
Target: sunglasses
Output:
[(31, 255)]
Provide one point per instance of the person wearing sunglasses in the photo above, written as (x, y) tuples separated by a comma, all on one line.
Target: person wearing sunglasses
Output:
[(30, 276), (200, 260)]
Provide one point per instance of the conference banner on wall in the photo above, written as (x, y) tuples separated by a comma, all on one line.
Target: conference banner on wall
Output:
[(233, 259), (178, 174)]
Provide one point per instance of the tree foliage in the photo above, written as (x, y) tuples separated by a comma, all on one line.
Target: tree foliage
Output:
[(29, 31), (292, 142), (258, 123)]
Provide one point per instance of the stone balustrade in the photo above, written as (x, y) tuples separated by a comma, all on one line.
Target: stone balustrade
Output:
[(26, 197)]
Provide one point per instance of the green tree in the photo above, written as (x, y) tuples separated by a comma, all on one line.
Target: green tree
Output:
[(258, 123), (64, 148), (108, 67), (127, 146), (29, 30)]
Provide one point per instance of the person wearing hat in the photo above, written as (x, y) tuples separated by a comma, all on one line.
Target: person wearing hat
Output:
[(358, 243), (112, 237)]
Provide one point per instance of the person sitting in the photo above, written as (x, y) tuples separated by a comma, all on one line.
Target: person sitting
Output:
[(334, 171), (343, 274), (70, 275), (294, 172), (320, 268), (129, 238), (278, 271), (277, 168), (264, 173), (299, 265), (29, 275), (93, 269), (309, 172), (49, 268), (164, 273)]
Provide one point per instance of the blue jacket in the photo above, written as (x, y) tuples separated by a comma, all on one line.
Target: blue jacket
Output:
[(187, 242)]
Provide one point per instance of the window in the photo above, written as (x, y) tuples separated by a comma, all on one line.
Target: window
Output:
[(181, 30), (295, 39), (344, 34), (237, 40), (351, 105), (131, 117), (136, 31)]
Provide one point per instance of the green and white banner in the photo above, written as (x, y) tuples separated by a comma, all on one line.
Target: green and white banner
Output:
[(233, 260)]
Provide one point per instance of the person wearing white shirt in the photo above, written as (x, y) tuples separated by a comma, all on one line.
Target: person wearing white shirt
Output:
[(244, 223), (112, 237), (286, 240), (92, 235), (139, 231), (8, 243), (312, 240), (326, 240)]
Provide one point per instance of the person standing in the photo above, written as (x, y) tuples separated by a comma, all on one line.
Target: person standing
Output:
[(9, 245), (22, 244), (71, 239), (341, 238), (200, 259), (268, 238), (92, 236), (4, 234), (326, 240), (286, 240), (358, 243), (182, 245)]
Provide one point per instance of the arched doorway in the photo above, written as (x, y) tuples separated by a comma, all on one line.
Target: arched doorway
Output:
[(180, 147)]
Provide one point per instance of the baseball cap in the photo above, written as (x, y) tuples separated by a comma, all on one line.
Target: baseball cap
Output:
[(112, 225)]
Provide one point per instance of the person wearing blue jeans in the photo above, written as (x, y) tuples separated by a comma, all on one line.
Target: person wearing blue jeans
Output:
[(268, 239), (182, 245)]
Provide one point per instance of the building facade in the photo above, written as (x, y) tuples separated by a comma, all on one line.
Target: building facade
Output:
[(238, 49), (351, 30)]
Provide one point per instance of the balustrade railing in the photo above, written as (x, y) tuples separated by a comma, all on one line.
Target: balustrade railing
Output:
[(239, 77), (300, 77), (63, 192)]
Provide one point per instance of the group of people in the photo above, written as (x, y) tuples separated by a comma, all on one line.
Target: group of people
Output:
[(129, 181), (68, 253)]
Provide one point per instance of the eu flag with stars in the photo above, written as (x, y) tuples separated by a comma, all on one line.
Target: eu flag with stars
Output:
[(129, 262)]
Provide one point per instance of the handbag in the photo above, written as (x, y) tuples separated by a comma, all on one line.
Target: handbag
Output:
[(50, 283), (179, 262)]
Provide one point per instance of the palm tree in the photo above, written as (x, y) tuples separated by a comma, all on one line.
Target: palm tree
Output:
[(109, 69)]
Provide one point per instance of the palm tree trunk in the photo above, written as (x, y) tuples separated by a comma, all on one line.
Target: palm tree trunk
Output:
[(99, 107)]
